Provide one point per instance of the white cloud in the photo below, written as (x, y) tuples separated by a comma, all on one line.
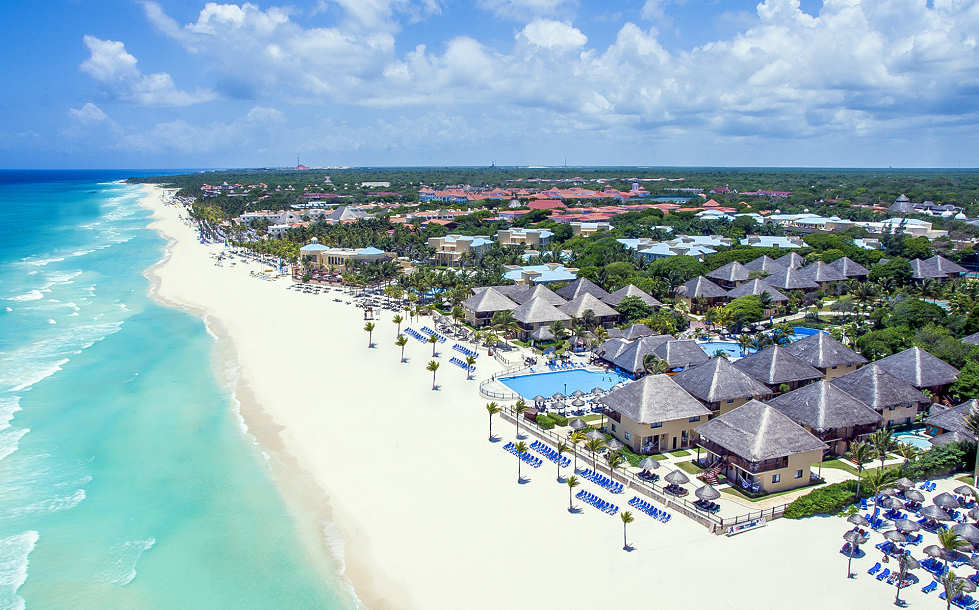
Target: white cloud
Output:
[(552, 35), (115, 69), (88, 114), (524, 10)]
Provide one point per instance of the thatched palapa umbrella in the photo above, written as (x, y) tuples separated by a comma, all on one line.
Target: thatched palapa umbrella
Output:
[(648, 464), (914, 495), (964, 490), (895, 536), (677, 478), (576, 424), (906, 526), (595, 434), (967, 531), (577, 393), (933, 550), (577, 402), (708, 493), (615, 445), (946, 500), (558, 396), (854, 539), (974, 513), (935, 512), (904, 483), (858, 519), (893, 503)]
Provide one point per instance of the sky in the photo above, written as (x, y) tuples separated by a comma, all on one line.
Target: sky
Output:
[(185, 83)]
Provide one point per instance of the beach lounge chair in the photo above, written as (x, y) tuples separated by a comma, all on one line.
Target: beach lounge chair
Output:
[(874, 568), (929, 587), (884, 574)]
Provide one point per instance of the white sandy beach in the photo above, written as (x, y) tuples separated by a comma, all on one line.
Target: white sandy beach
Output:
[(431, 513)]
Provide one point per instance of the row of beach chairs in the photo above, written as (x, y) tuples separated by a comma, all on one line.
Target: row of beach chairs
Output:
[(462, 364), (429, 331), (660, 515), (558, 366), (411, 332), (465, 350), (600, 504), (602, 481), (928, 486), (542, 448), (526, 457)]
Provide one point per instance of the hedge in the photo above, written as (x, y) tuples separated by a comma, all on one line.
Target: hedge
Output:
[(827, 500), (545, 421)]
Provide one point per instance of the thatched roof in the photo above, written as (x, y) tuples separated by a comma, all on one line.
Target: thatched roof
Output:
[(542, 333), (924, 270), (489, 300), (949, 438), (700, 288), (945, 266), (774, 365), (792, 260), (631, 291), (580, 286), (972, 339), (823, 406), (756, 287), (681, 353), (849, 268), (637, 330), (612, 348), (584, 302), (731, 272), (821, 272), (952, 419), (631, 358), (824, 352), (537, 311), (919, 368), (755, 431), (764, 263), (878, 388), (537, 291), (718, 380), (345, 212), (655, 398), (790, 279)]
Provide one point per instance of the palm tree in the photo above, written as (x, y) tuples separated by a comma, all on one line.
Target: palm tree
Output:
[(519, 408), (492, 408), (562, 448), (860, 453), (401, 342), (882, 441), (972, 423), (521, 448), (593, 445), (953, 586), (614, 460), (572, 483), (951, 542), (906, 451), (432, 366), (877, 480), (654, 365), (575, 439), (397, 319), (434, 341), (470, 361), (369, 329), (626, 520)]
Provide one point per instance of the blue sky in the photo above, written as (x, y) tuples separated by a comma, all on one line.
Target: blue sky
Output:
[(421, 82)]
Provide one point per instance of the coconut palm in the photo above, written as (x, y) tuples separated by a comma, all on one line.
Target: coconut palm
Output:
[(577, 437), (470, 362), (401, 342), (882, 441), (951, 542), (627, 518), (614, 460), (521, 448), (562, 448), (492, 408), (654, 365), (971, 421), (434, 341), (519, 408), (860, 453), (397, 319), (432, 366), (877, 480), (369, 329), (952, 585), (572, 483), (594, 445), (906, 451)]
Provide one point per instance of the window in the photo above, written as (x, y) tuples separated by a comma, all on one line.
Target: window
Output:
[(798, 474), (776, 478), (693, 419), (657, 424), (626, 436), (613, 427)]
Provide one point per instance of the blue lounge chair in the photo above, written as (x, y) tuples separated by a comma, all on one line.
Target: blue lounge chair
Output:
[(929, 587), (884, 574), (874, 568)]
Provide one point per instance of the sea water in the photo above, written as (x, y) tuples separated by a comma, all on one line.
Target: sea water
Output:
[(126, 480)]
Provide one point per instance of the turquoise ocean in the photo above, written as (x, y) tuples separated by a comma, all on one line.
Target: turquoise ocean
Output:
[(126, 477)]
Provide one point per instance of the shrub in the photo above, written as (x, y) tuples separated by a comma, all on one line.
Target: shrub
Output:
[(559, 420), (827, 500), (545, 421), (942, 460)]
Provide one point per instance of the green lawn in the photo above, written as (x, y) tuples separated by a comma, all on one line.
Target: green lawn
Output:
[(689, 467), (733, 491), (839, 464), (590, 418), (679, 453)]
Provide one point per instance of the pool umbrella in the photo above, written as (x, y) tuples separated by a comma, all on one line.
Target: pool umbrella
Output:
[(559, 405), (577, 402), (648, 464), (914, 495), (894, 503), (967, 531), (539, 398), (595, 434), (904, 483), (965, 490), (558, 396), (708, 493), (677, 478), (614, 444), (895, 536), (577, 393), (577, 424), (906, 526), (860, 520), (597, 390), (946, 500), (935, 512)]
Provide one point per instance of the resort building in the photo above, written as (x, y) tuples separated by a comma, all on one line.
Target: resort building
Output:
[(825, 353), (758, 448), (480, 308), (700, 294), (587, 229), (577, 308), (631, 333), (821, 273), (540, 274), (791, 278), (317, 256), (450, 249), (897, 401), (773, 241), (758, 288), (531, 238), (632, 358), (972, 339), (764, 264), (947, 424), (653, 415), (923, 270), (777, 368), (681, 353), (850, 269), (345, 214), (946, 266), (831, 414), (582, 286), (537, 313), (730, 275), (920, 369), (791, 261), (631, 291), (612, 348), (720, 386)]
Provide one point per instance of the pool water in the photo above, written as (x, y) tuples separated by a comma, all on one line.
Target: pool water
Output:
[(915, 438), (731, 348), (565, 382)]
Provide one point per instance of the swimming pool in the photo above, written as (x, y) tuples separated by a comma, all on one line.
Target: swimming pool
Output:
[(916, 438), (731, 348), (565, 382)]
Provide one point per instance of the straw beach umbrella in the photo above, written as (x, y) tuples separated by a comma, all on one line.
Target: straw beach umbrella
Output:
[(904, 483), (595, 434), (708, 493), (597, 390), (614, 445), (558, 396), (974, 513), (577, 402), (859, 520), (649, 464), (967, 531), (677, 478), (914, 495), (893, 503), (895, 536), (854, 540), (906, 526), (576, 424), (946, 500), (933, 550), (577, 393), (964, 490), (905, 563), (935, 512)]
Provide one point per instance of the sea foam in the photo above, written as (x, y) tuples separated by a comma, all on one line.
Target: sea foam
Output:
[(14, 554), (33, 295), (122, 566)]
